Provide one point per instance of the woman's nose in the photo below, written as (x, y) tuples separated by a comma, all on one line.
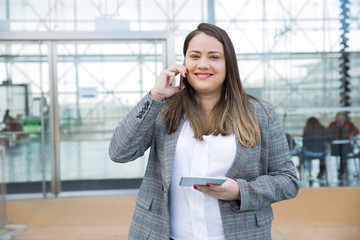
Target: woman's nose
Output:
[(203, 63)]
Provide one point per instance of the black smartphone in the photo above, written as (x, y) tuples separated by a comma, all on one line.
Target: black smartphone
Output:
[(182, 78), (181, 81)]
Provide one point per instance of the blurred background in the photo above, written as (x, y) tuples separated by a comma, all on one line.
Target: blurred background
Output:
[(71, 70)]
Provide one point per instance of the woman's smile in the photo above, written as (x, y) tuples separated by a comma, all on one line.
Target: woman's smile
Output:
[(203, 75)]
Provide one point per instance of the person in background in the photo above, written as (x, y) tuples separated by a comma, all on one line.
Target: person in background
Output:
[(314, 138), (342, 129), (207, 127), (11, 124)]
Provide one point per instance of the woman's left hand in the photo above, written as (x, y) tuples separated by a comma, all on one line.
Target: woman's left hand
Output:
[(229, 190)]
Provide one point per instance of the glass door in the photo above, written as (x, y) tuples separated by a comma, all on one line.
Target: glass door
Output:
[(24, 111), (98, 82)]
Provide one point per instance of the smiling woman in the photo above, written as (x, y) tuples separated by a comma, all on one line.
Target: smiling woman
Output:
[(221, 112), (208, 127), (205, 62)]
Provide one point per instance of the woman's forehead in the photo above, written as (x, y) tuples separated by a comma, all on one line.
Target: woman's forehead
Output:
[(203, 40)]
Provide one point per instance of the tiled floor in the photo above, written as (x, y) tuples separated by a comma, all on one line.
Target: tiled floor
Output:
[(316, 214)]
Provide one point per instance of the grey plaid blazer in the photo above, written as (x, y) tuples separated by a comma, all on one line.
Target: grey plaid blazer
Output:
[(265, 174)]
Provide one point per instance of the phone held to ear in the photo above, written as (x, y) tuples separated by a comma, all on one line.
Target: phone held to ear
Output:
[(182, 78)]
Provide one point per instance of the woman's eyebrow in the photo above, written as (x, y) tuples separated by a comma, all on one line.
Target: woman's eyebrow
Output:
[(194, 51), (210, 52)]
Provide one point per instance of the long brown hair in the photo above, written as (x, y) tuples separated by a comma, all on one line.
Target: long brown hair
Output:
[(313, 127), (232, 113)]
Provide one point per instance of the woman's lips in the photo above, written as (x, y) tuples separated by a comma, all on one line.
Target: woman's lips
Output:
[(203, 75)]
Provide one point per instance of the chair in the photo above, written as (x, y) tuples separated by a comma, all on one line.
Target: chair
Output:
[(313, 149), (355, 155)]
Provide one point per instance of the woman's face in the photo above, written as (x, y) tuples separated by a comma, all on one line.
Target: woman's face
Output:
[(205, 62), (340, 119)]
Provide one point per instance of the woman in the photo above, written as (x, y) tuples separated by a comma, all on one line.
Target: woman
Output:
[(314, 139), (209, 127)]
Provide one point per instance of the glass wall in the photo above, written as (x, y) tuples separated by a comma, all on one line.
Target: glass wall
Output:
[(24, 107), (289, 54), (98, 83)]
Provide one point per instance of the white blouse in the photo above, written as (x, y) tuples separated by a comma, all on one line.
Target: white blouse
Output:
[(195, 215)]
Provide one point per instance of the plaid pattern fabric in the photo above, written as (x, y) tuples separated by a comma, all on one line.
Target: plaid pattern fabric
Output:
[(265, 174)]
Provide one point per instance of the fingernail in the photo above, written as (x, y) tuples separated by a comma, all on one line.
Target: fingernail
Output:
[(185, 75), (208, 185), (186, 69), (195, 187), (170, 84)]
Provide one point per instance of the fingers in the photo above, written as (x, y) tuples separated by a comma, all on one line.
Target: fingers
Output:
[(211, 190), (164, 86), (177, 68), (229, 190), (168, 75), (212, 193)]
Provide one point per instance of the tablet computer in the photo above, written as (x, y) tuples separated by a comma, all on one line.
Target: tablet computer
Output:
[(191, 181)]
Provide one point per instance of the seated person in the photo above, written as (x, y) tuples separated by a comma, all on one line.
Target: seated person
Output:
[(342, 129), (11, 124), (314, 137)]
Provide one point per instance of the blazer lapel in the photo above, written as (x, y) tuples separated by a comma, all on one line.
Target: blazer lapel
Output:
[(170, 147), (241, 158)]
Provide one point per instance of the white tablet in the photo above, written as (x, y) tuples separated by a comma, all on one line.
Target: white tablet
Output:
[(191, 181)]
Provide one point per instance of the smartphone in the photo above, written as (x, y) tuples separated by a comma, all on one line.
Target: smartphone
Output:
[(182, 79)]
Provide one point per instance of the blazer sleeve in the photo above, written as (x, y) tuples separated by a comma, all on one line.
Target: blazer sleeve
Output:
[(280, 182), (134, 134)]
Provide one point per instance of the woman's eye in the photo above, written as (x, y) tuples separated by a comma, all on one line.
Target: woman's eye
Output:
[(214, 57), (194, 56)]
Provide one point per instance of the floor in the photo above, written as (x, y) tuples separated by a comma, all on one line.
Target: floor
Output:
[(316, 214)]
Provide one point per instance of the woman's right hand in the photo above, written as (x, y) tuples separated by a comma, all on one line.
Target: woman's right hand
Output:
[(163, 87)]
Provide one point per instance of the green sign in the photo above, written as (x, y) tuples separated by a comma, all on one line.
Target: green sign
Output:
[(32, 126)]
